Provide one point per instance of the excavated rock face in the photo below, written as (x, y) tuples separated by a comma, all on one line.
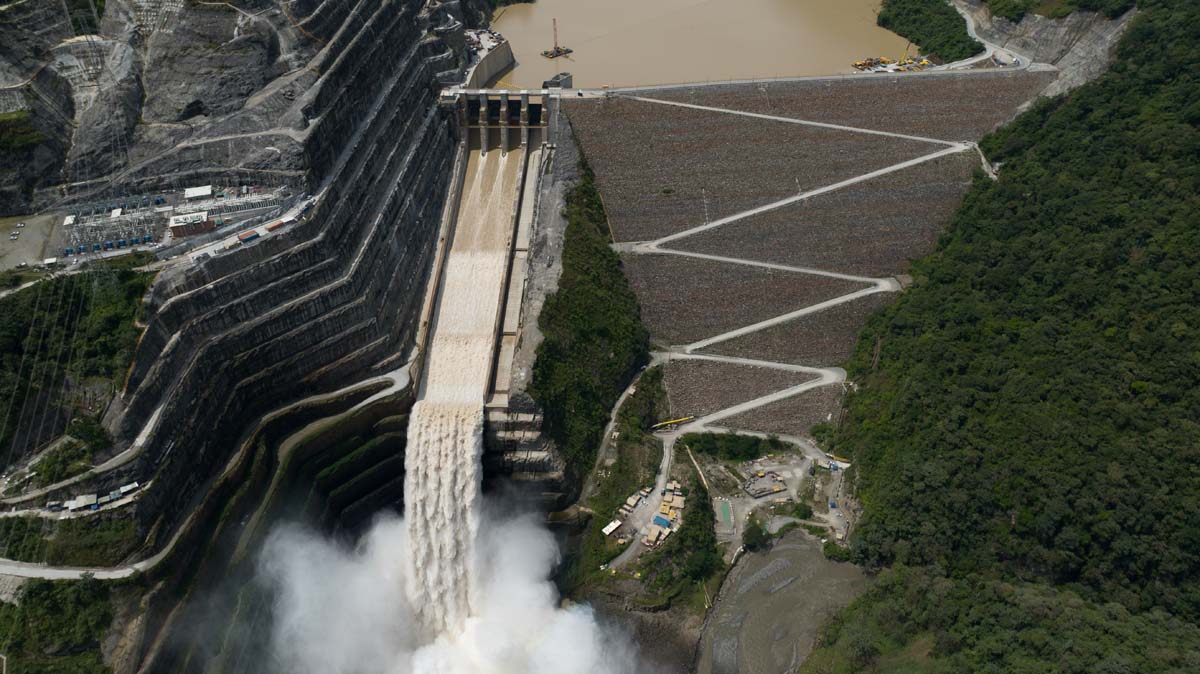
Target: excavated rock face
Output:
[(35, 124), (238, 57), (35, 104), (168, 91), (339, 96), (1081, 44), (329, 298)]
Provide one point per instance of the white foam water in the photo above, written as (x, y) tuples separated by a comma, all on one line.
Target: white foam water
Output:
[(441, 491), (445, 431)]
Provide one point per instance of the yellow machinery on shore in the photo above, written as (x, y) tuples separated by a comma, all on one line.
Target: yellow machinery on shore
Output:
[(905, 63), (668, 425)]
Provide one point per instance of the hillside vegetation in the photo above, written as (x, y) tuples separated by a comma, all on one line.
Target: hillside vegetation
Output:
[(1032, 429), (733, 447), (17, 133), (638, 456), (56, 627), (933, 25), (594, 337), (59, 336), (912, 621), (1013, 10)]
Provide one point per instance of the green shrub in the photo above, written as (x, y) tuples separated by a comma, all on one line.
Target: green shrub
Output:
[(17, 133), (690, 555), (66, 460), (594, 340), (802, 511), (836, 553), (755, 536), (733, 447)]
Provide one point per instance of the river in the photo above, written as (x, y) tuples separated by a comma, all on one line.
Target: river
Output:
[(639, 42)]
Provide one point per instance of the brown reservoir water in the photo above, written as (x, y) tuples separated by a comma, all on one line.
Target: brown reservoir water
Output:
[(638, 42)]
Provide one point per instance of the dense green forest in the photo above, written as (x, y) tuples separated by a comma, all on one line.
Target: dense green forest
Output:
[(594, 337), (1013, 10), (733, 447), (932, 25), (56, 627), (912, 621), (1032, 430), (63, 340)]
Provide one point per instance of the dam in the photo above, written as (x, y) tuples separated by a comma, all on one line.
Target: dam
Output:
[(443, 463), (376, 353)]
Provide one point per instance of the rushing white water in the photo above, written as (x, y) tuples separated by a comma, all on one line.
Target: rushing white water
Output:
[(345, 611), (451, 589), (445, 432), (441, 491)]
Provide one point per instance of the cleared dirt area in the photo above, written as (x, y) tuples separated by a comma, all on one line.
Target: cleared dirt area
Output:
[(699, 387), (658, 166), (792, 416), (30, 246), (772, 607), (874, 228), (823, 339), (687, 299), (959, 106)]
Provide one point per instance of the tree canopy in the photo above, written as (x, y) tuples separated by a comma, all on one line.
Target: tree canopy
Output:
[(1031, 433), (594, 337)]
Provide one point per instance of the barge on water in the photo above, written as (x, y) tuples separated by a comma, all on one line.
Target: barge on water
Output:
[(558, 49)]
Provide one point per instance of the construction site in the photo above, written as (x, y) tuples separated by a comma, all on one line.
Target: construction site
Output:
[(347, 235)]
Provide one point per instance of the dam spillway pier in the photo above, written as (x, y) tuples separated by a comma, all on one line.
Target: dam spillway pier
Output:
[(501, 119)]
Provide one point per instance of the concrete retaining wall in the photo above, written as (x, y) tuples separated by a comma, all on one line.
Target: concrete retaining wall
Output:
[(491, 66)]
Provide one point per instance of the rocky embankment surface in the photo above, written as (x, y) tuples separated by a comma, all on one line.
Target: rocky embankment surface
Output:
[(1081, 44)]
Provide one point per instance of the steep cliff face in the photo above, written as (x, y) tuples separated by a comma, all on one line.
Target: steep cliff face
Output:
[(327, 300), (1081, 44), (240, 57), (35, 133), (167, 92), (35, 103)]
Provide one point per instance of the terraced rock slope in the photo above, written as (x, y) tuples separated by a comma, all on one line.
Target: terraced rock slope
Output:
[(338, 99)]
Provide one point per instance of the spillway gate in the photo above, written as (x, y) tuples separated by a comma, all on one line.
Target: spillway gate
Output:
[(502, 119)]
